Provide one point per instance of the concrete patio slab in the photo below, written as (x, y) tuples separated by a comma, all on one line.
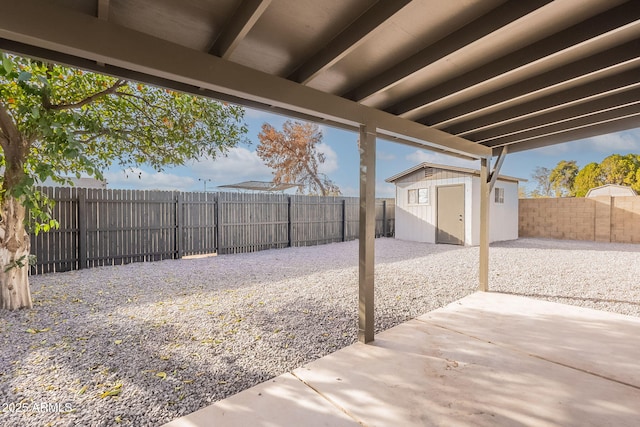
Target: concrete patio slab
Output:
[(486, 360), (595, 341), (282, 401)]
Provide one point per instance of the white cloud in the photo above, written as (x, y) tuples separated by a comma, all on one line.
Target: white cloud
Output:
[(421, 156), (381, 155), (238, 165), (625, 141), (331, 159), (139, 179), (385, 190), (556, 150), (350, 191), (621, 142), (265, 116)]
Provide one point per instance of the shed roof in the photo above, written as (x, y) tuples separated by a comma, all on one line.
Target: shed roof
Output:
[(466, 171), (460, 76), (611, 190), (260, 186)]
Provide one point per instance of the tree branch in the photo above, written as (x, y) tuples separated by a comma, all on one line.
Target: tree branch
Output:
[(9, 129), (88, 100), (141, 111), (104, 131), (146, 101)]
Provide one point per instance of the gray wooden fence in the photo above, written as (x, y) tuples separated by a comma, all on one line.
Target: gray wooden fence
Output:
[(110, 227)]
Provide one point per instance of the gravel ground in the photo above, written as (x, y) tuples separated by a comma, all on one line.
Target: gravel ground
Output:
[(142, 344)]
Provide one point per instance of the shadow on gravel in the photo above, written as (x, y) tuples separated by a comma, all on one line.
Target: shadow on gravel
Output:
[(145, 366), (233, 272), (115, 370), (143, 344)]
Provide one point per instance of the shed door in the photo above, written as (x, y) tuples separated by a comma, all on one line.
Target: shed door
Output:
[(450, 201)]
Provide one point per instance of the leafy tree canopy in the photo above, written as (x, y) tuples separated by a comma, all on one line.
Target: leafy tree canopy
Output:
[(588, 177), (567, 180), (58, 121), (562, 178)]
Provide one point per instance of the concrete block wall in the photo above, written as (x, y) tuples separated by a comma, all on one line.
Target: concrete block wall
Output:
[(601, 219), (625, 219)]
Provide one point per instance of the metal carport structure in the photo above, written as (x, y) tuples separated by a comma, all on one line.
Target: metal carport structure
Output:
[(472, 78)]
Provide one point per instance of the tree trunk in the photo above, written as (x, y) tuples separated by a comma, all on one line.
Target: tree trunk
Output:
[(14, 256)]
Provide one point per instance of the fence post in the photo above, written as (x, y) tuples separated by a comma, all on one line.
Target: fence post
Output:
[(218, 221), (289, 222), (384, 218), (344, 220), (179, 221), (82, 228)]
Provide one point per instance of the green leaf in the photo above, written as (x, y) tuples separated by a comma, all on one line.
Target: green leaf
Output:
[(114, 391), (37, 331), (162, 375), (24, 76), (7, 64)]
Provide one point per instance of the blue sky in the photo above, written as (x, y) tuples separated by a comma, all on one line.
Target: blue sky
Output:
[(340, 148)]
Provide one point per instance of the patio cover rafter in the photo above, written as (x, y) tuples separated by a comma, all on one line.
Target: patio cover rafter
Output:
[(607, 63), (419, 104), (510, 120), (103, 9), (482, 26), (33, 22), (238, 26), (347, 40)]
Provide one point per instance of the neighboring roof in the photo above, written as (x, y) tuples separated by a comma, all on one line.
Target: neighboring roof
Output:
[(467, 171), (460, 76), (611, 190), (78, 183), (260, 186)]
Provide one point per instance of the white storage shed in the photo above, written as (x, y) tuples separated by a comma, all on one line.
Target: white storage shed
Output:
[(441, 204), (612, 190)]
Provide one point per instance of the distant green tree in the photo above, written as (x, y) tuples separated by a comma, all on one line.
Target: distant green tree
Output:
[(615, 169), (588, 177), (562, 178), (621, 170)]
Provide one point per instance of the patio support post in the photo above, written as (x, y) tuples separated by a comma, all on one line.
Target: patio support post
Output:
[(367, 230), (485, 191)]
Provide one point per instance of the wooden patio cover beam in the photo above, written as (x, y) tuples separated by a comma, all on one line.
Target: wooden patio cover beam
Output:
[(607, 63), (611, 126), (503, 121), (348, 40), (39, 23), (237, 28), (492, 21), (420, 104)]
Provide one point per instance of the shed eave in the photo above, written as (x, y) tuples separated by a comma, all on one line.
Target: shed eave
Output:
[(459, 169)]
